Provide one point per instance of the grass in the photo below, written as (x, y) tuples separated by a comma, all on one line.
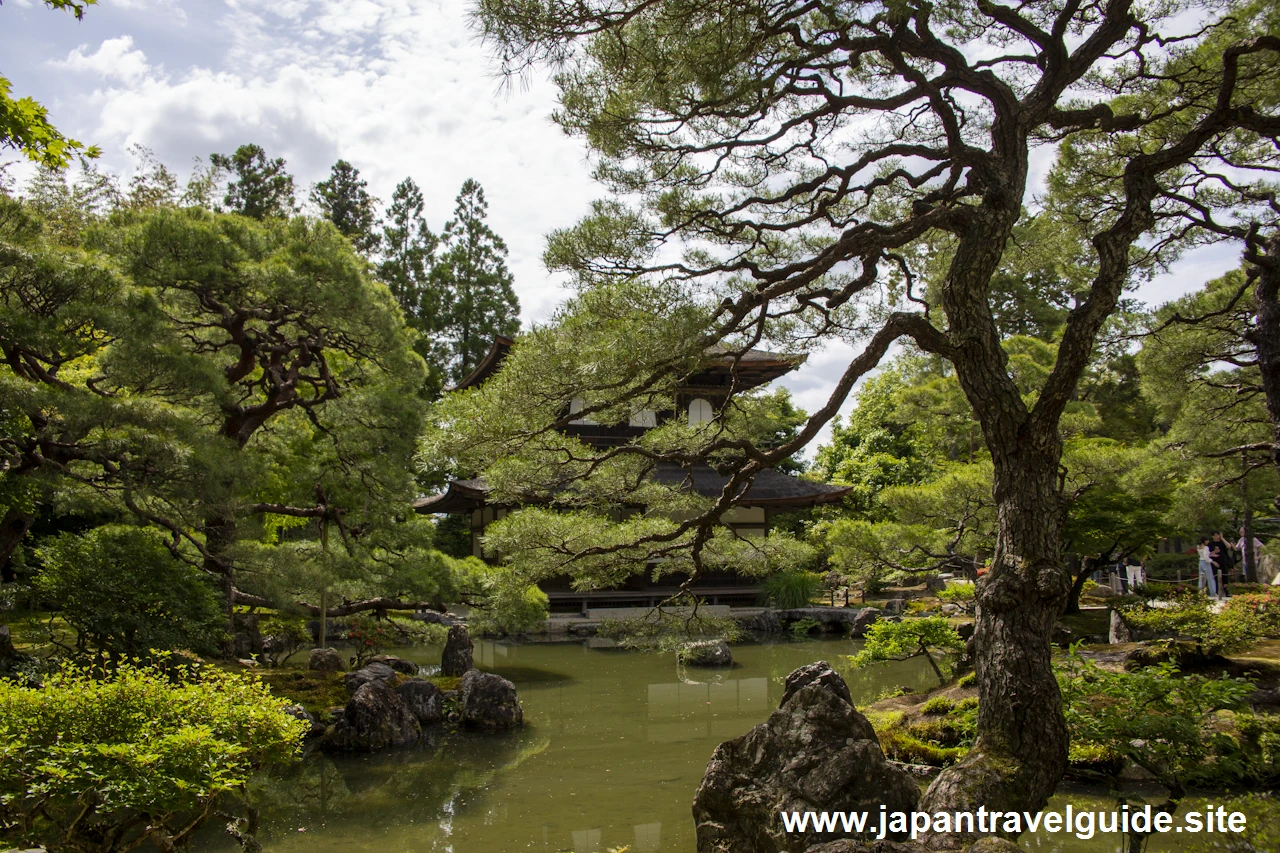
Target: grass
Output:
[(313, 690)]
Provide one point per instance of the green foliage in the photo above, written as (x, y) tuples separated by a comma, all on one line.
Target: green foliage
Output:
[(472, 282), (1262, 833), (510, 605), (125, 594), (669, 629), (1242, 621), (283, 637), (937, 706), (24, 123), (802, 628), (344, 200), (1165, 722), (789, 590), (887, 641), (969, 679), (142, 756), (958, 592), (261, 188)]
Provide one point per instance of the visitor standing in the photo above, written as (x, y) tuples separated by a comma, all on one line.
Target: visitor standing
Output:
[(1134, 572), (1220, 550), (1207, 567)]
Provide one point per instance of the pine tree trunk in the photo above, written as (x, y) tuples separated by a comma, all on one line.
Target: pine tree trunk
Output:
[(219, 534), (1021, 750), (13, 529), (1265, 335)]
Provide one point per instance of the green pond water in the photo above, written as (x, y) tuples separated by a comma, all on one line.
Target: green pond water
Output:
[(614, 745)]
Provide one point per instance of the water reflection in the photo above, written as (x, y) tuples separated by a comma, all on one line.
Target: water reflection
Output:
[(614, 747)]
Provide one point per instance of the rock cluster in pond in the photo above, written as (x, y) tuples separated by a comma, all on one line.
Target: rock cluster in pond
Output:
[(400, 665), (325, 660), (456, 660), (489, 702), (708, 653), (855, 620), (375, 718), (423, 699), (371, 672), (815, 753)]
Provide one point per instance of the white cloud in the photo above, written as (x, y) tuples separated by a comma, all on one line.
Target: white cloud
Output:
[(114, 59), (398, 87)]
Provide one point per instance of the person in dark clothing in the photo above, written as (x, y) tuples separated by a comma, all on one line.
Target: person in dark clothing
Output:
[(1222, 555)]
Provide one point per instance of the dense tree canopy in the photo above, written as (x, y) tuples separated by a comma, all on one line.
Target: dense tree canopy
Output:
[(259, 187), (343, 198), (783, 174)]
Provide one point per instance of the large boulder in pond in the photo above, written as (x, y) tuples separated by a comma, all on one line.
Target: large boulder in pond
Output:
[(489, 702), (708, 653), (815, 753), (819, 672), (370, 672), (424, 699), (862, 620), (456, 659), (375, 718), (325, 660)]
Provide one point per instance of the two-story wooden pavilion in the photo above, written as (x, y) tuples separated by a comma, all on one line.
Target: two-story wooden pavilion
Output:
[(698, 399)]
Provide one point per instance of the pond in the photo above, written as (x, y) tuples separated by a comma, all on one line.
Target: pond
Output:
[(614, 746)]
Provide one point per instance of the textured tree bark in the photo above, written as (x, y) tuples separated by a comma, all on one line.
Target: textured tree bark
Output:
[(1021, 750), (1265, 334), (13, 529)]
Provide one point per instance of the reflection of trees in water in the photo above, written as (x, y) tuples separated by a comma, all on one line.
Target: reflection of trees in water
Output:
[(425, 784)]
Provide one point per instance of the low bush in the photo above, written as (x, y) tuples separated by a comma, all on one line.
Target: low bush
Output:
[(142, 757), (801, 628), (969, 679), (790, 590), (958, 592), (886, 641), (937, 705), (125, 594)]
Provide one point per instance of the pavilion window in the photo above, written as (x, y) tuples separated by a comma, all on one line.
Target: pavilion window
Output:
[(700, 412)]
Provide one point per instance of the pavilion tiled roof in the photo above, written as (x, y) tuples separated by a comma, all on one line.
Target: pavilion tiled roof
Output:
[(769, 488)]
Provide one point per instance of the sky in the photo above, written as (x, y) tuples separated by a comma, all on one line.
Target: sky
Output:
[(399, 88)]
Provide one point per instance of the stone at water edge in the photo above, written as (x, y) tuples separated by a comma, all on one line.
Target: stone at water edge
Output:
[(865, 618), (325, 660), (489, 702), (400, 665), (371, 672), (708, 653), (815, 753), (375, 718), (818, 672), (457, 659), (424, 699), (314, 727)]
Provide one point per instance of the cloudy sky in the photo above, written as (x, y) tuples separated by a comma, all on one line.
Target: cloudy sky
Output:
[(400, 88)]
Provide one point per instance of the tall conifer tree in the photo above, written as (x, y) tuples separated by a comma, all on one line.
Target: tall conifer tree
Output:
[(345, 201), (473, 283), (261, 188)]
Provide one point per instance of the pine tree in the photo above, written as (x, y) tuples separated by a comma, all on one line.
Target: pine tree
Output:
[(261, 187), (473, 283), (344, 200), (408, 249)]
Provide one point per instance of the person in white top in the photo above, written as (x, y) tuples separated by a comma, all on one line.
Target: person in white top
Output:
[(1207, 568)]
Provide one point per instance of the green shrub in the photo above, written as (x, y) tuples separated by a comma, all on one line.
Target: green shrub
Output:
[(938, 705), (125, 594), (909, 638), (969, 703), (900, 745), (969, 679), (1165, 567), (801, 628), (1165, 724), (789, 590), (141, 757), (958, 592)]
